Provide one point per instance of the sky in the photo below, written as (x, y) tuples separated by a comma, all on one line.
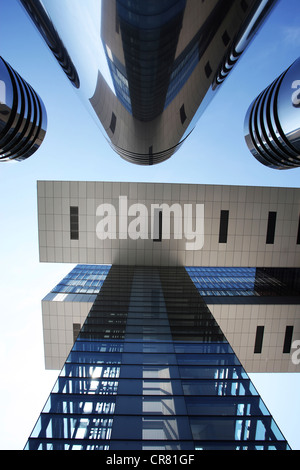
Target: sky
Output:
[(75, 149)]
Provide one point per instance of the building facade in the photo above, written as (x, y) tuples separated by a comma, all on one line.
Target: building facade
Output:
[(253, 306), (147, 70), (151, 369), (162, 317), (240, 244)]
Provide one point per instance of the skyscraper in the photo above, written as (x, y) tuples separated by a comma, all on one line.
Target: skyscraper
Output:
[(272, 122), (23, 117), (162, 351), (151, 369), (147, 70)]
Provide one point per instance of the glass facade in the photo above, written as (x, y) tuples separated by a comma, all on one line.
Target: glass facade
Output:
[(87, 279), (245, 281), (82, 284), (151, 369), (119, 78), (150, 33)]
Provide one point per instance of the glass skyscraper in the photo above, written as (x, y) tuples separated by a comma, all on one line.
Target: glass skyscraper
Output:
[(151, 368), (146, 70)]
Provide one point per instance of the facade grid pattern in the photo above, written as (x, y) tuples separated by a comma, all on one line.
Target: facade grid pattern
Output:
[(152, 369)]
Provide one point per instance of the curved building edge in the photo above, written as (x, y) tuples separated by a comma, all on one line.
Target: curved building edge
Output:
[(23, 117), (154, 100), (271, 127)]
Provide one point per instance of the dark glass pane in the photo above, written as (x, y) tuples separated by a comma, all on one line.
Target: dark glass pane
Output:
[(224, 216), (271, 228)]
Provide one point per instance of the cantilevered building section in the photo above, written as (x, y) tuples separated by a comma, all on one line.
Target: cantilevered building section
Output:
[(240, 245), (156, 355), (257, 309), (147, 69)]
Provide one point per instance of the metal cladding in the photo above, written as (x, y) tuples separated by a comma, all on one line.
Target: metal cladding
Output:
[(272, 123), (40, 17), (22, 116), (145, 69)]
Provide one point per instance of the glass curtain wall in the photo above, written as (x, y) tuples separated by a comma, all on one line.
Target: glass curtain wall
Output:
[(151, 369), (245, 281)]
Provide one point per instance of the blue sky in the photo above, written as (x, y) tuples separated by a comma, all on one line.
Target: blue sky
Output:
[(74, 149)]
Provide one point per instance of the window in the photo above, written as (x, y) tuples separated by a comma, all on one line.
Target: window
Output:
[(271, 228), (157, 229), (207, 69), (288, 339), (225, 38), (76, 331), (223, 226), (182, 114), (117, 23), (113, 122), (74, 223), (244, 5), (151, 155), (259, 339), (298, 234)]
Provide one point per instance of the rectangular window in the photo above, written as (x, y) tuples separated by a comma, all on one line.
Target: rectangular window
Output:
[(117, 23), (151, 155), (113, 122), (244, 5), (207, 70), (259, 339), (225, 38), (182, 114), (271, 228), (288, 339), (74, 223), (224, 216), (157, 228), (76, 331), (298, 234)]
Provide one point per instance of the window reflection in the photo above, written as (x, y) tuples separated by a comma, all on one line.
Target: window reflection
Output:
[(181, 390), (242, 281)]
